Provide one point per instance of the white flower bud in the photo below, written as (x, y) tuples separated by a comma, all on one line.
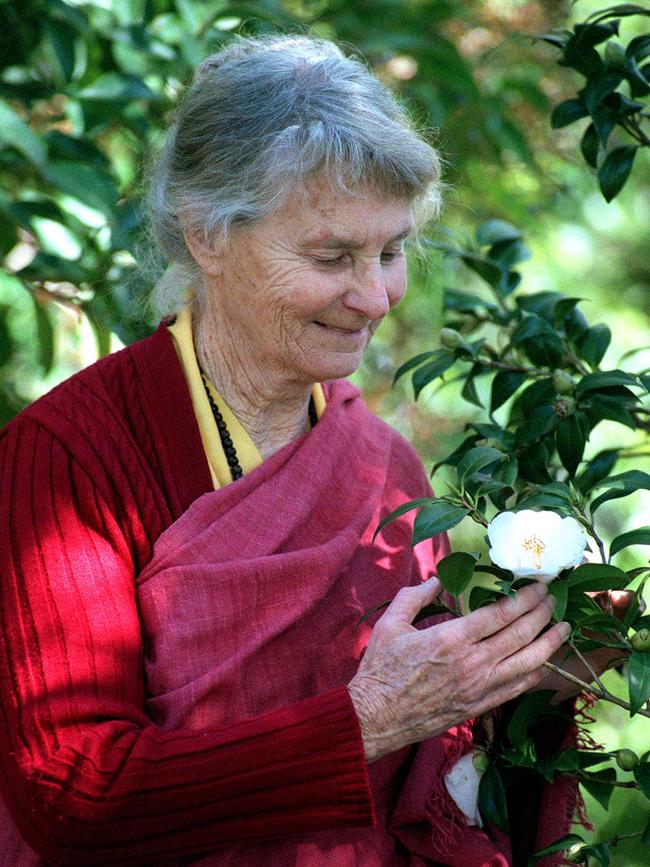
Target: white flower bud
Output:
[(462, 783)]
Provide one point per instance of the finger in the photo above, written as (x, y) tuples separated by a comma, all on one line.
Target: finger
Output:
[(615, 602), (534, 655), (492, 618), (520, 633), (507, 691), (408, 602)]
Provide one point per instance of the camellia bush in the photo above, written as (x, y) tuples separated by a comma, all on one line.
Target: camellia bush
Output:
[(523, 473), (526, 471)]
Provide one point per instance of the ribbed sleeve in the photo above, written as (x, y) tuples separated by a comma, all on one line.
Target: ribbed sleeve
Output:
[(87, 778)]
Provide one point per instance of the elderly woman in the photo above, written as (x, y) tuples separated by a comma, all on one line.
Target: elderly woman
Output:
[(187, 546)]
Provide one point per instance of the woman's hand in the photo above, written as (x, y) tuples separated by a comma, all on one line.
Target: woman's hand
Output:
[(413, 684)]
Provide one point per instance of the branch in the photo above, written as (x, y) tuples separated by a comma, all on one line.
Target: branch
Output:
[(587, 665), (599, 692)]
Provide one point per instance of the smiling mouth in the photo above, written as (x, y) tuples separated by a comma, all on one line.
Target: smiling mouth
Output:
[(338, 330)]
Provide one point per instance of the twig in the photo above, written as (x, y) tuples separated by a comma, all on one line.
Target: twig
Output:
[(599, 692), (616, 784), (587, 664)]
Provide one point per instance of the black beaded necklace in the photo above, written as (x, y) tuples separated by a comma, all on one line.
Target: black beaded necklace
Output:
[(224, 434)]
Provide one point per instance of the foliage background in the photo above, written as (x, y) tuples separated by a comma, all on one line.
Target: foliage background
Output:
[(86, 89)]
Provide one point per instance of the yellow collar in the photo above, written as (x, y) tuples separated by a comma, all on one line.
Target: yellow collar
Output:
[(247, 452)]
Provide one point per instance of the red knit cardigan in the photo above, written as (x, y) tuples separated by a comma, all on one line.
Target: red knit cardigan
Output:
[(90, 476)]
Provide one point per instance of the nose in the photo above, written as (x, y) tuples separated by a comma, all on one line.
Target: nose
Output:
[(369, 294)]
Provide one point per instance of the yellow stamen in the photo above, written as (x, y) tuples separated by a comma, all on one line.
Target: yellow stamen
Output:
[(534, 544)]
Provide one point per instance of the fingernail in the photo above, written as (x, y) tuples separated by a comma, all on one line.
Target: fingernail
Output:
[(564, 629)]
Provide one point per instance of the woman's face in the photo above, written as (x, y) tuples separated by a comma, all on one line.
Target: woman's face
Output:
[(303, 290)]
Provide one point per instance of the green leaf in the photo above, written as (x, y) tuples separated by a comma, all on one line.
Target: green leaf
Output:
[(430, 371), (476, 459), (59, 45), (605, 379), (436, 518), (431, 610), (621, 485), (88, 185), (615, 170), (590, 146), (570, 438), (540, 421), (504, 385), (595, 577), (401, 510), (568, 112), (116, 87), (598, 786), (465, 302), (411, 363), (14, 132), (559, 589), (469, 392), (642, 773), (645, 837), (593, 343), (528, 709), (495, 231), (597, 468), (455, 572), (480, 596), (638, 677), (639, 47), (599, 851), (558, 846), (492, 799), (634, 537)]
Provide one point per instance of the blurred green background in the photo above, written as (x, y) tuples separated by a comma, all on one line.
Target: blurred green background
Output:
[(87, 88)]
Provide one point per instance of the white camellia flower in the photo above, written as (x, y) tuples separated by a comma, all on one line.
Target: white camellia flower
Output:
[(536, 544), (462, 783)]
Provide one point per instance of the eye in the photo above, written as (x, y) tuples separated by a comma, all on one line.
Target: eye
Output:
[(389, 256), (331, 261)]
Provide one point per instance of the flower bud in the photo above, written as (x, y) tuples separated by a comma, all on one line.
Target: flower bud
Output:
[(627, 760), (450, 338), (575, 854), (615, 55), (562, 382), (641, 640), (480, 761), (564, 406)]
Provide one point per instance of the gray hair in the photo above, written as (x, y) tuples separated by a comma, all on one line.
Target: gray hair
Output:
[(263, 117)]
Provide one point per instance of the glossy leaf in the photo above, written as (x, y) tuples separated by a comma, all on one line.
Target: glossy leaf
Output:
[(504, 385), (401, 510), (455, 571), (413, 362), (605, 379), (571, 438), (638, 677), (526, 713), (477, 459), (615, 170), (621, 485), (568, 112), (598, 786), (642, 773), (593, 344), (558, 846), (596, 469), (597, 576), (590, 145), (431, 371), (492, 799), (16, 133), (494, 231), (641, 536), (436, 518)]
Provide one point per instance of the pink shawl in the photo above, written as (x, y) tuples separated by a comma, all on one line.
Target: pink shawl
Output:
[(252, 602)]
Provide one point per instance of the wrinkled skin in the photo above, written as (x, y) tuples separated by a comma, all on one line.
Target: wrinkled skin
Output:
[(413, 684)]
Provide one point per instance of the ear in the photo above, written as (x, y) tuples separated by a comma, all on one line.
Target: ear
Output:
[(206, 252)]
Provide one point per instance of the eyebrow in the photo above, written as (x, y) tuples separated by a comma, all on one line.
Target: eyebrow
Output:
[(335, 242)]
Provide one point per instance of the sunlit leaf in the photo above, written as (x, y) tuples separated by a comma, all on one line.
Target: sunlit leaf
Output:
[(638, 677), (455, 571)]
